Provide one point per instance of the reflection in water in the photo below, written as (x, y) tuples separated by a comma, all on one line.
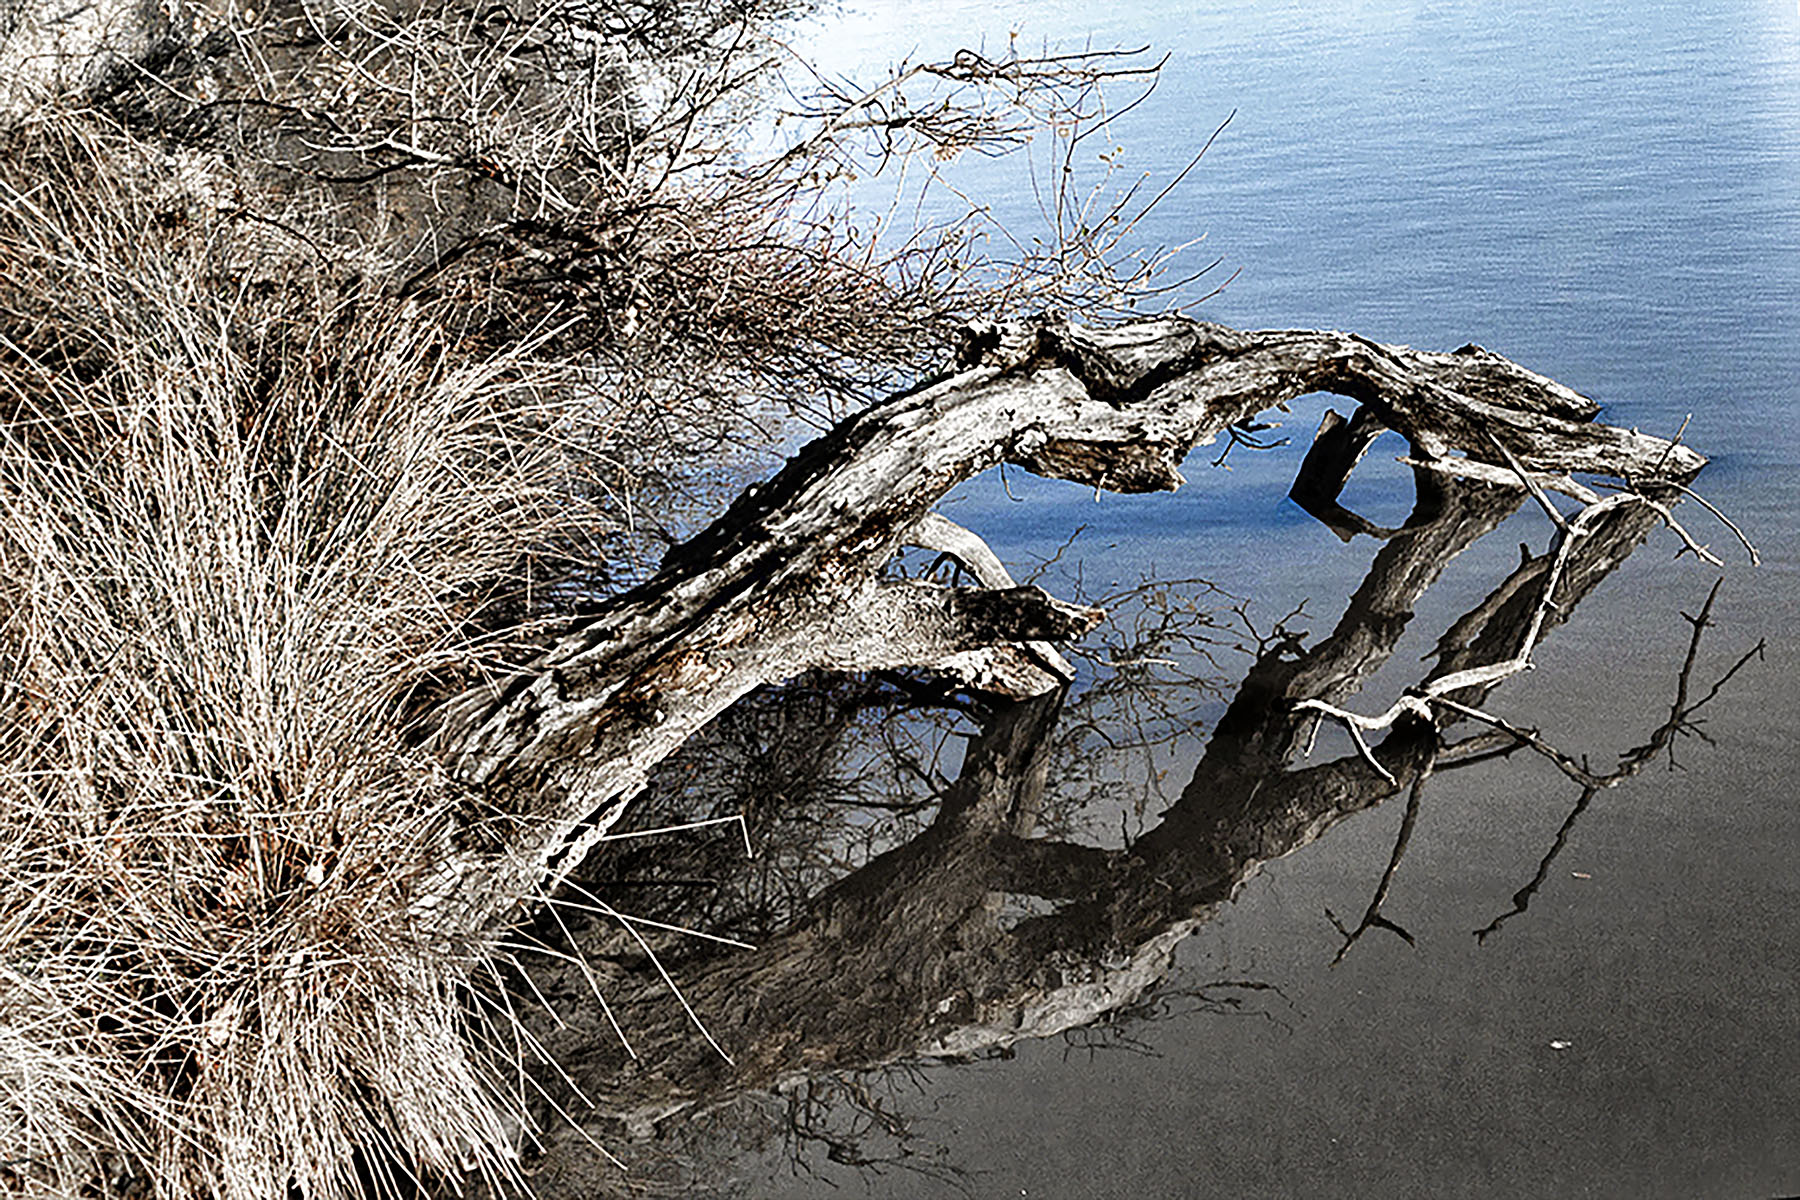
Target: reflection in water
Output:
[(932, 879), (1682, 722)]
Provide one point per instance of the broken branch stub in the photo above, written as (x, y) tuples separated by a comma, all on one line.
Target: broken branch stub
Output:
[(791, 577)]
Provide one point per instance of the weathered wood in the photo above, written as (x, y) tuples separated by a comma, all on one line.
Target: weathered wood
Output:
[(791, 578), (911, 956)]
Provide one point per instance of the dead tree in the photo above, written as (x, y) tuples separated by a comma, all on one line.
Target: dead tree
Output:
[(388, 905), (791, 578), (909, 956), (305, 233)]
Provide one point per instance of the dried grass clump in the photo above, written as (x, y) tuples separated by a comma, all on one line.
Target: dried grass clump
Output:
[(246, 525)]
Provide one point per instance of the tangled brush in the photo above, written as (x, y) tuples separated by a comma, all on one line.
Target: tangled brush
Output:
[(247, 526)]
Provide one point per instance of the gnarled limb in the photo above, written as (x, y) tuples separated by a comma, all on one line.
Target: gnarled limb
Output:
[(788, 579)]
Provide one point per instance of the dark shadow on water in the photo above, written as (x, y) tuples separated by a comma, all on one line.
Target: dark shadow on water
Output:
[(937, 876)]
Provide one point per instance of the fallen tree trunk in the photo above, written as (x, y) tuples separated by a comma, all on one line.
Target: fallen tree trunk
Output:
[(791, 578)]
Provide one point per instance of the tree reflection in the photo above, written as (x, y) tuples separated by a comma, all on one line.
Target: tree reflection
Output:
[(936, 875)]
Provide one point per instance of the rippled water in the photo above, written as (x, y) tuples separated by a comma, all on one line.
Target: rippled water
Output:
[(1611, 196)]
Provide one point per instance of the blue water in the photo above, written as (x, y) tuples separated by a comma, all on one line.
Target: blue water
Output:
[(1610, 195)]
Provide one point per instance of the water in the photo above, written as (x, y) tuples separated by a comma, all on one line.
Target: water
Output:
[(1610, 196)]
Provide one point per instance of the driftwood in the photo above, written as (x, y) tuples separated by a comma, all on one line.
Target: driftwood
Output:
[(912, 956), (792, 579)]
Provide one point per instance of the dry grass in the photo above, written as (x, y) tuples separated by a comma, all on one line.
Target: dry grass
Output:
[(294, 437), (244, 525)]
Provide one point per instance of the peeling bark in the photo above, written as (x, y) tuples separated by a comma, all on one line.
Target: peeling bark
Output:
[(791, 579)]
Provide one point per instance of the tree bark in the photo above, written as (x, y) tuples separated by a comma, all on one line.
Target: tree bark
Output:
[(791, 578)]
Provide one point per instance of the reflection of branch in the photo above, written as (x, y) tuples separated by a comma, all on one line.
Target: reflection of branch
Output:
[(1522, 898), (1418, 701), (1633, 761), (1000, 918), (1542, 590), (843, 1115), (1372, 918), (1215, 998), (1242, 433), (1530, 738)]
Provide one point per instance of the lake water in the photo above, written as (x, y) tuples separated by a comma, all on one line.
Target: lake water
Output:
[(1609, 195)]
